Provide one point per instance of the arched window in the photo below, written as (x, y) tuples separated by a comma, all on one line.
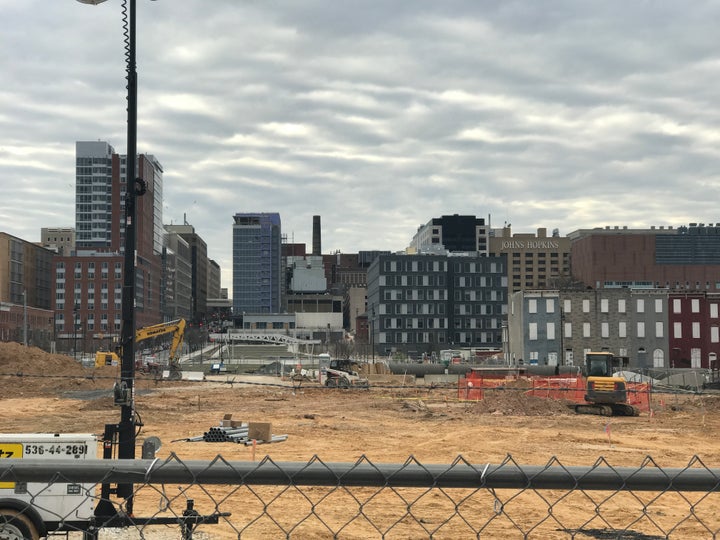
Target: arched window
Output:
[(658, 358)]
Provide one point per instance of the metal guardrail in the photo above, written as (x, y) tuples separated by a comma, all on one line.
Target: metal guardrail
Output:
[(363, 499)]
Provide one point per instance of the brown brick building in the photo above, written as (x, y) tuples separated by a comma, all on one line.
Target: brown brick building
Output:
[(25, 291), (686, 258)]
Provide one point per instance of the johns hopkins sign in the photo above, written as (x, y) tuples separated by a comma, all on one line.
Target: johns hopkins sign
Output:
[(530, 244)]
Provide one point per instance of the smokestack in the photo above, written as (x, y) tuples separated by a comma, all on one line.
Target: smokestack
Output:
[(316, 249)]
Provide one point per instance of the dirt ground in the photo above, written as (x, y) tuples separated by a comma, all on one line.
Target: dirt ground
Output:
[(52, 393)]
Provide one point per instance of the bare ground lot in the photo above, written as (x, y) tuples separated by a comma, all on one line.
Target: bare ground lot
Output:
[(46, 393)]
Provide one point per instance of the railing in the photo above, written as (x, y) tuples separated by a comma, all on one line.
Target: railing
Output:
[(362, 499)]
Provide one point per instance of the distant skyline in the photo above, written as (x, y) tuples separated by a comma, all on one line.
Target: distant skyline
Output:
[(377, 116)]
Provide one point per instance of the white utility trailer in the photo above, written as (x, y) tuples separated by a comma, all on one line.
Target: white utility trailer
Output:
[(31, 510)]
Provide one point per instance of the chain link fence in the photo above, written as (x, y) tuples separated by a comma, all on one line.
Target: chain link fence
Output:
[(172, 498)]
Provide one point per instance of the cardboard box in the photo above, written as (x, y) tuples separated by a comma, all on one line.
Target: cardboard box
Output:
[(260, 431)]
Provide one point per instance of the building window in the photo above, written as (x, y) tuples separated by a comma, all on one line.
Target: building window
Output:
[(532, 331), (621, 305), (696, 330), (658, 358), (568, 330), (604, 305), (640, 305), (677, 305), (605, 330), (677, 330), (659, 330), (714, 334), (695, 305), (586, 330), (586, 306), (550, 330), (622, 329), (532, 305), (658, 305), (641, 329), (550, 305), (567, 305), (713, 311)]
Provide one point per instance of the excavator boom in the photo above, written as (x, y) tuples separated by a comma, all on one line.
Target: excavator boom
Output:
[(177, 328)]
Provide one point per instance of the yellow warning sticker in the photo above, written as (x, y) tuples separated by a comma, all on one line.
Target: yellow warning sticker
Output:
[(10, 450)]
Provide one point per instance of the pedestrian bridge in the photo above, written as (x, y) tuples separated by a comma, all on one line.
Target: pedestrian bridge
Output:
[(266, 337)]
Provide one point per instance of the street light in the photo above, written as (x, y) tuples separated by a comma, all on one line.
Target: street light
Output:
[(123, 391)]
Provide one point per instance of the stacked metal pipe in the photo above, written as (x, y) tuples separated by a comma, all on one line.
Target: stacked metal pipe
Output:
[(232, 434), (226, 434)]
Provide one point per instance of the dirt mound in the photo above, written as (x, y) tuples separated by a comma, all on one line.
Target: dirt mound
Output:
[(29, 371), (517, 403)]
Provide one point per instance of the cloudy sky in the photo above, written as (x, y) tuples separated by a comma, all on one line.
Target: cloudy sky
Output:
[(377, 115)]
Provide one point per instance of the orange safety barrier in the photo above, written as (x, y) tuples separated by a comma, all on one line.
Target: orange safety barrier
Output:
[(553, 387), (572, 388), (470, 389)]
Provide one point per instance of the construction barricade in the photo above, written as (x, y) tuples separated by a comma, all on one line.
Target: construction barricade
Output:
[(558, 387)]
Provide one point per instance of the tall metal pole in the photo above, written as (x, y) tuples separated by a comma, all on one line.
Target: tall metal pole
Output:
[(75, 329), (126, 428), (372, 333), (124, 390), (25, 325)]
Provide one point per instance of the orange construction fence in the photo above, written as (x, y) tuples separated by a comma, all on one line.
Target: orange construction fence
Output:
[(553, 387)]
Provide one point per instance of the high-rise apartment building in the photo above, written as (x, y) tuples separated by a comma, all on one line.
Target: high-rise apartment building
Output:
[(100, 187), (88, 283), (257, 263), (97, 198)]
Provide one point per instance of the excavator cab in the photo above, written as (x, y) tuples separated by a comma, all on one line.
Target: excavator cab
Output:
[(599, 365)]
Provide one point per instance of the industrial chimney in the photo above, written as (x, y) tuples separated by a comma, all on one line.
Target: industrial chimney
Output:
[(316, 248)]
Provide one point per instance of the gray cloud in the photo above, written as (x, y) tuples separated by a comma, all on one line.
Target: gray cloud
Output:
[(376, 115)]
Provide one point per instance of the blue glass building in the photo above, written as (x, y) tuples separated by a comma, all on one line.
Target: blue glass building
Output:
[(257, 269)]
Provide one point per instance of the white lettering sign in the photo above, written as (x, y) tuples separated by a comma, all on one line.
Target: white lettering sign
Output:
[(530, 244)]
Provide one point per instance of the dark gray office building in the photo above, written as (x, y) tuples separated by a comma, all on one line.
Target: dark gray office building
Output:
[(421, 304)]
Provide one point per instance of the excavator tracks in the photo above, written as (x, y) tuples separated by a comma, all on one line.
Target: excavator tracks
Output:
[(607, 409)]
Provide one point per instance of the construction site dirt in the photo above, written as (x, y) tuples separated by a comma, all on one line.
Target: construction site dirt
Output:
[(53, 393)]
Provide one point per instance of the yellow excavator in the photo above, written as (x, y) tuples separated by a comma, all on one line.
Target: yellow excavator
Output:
[(606, 393), (177, 328)]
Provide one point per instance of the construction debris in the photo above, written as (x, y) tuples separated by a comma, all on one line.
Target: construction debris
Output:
[(235, 431)]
